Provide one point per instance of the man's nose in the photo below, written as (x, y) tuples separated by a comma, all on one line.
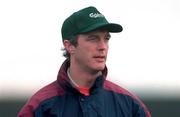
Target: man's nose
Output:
[(102, 44)]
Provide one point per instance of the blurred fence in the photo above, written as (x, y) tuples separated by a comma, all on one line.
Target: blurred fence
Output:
[(158, 108)]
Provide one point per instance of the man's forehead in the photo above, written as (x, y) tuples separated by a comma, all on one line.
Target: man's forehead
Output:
[(99, 31)]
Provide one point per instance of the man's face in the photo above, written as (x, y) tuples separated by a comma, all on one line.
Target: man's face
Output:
[(91, 51)]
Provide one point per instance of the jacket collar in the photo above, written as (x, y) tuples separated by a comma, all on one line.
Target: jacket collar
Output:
[(64, 81)]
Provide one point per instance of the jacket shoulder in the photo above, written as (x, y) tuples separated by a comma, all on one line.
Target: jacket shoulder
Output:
[(45, 93), (110, 86)]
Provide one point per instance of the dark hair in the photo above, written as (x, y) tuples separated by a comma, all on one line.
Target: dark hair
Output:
[(74, 42)]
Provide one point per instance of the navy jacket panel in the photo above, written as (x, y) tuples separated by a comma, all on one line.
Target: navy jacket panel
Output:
[(103, 103), (60, 99)]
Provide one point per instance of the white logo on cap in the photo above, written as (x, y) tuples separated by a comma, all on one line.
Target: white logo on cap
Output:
[(95, 15)]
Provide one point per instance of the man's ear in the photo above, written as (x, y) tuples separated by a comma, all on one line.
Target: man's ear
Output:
[(68, 46)]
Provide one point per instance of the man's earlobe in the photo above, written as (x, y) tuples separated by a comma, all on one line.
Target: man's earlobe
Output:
[(69, 47)]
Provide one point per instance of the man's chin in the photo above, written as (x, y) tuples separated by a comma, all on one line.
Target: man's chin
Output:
[(97, 70), (100, 67)]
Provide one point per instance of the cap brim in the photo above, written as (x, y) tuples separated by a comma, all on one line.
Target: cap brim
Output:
[(111, 27)]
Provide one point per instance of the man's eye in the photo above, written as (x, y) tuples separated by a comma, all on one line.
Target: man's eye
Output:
[(107, 38), (92, 38)]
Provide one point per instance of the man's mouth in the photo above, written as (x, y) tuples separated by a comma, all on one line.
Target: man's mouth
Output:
[(100, 58)]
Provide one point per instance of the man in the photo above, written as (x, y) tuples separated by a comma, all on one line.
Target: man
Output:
[(81, 88)]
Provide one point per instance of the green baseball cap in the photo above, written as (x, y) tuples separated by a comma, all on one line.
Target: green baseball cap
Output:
[(87, 20)]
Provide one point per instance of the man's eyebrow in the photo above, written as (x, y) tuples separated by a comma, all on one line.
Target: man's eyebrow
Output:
[(89, 35), (92, 35)]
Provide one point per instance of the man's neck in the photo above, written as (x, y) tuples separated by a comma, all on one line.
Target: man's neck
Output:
[(82, 77)]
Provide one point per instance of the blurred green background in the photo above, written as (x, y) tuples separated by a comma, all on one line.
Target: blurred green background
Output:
[(158, 107)]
